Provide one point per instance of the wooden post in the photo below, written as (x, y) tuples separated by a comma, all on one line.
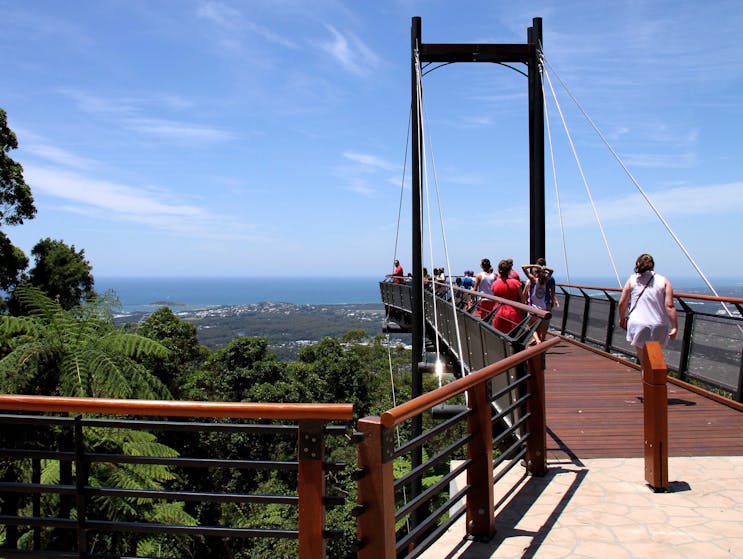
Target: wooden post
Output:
[(376, 492), (480, 499), (536, 444), (311, 489), (655, 411)]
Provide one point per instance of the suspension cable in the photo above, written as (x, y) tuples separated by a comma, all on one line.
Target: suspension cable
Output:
[(419, 108), (554, 175), (583, 177), (446, 250), (639, 188)]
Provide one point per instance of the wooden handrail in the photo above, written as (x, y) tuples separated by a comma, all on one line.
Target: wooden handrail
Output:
[(397, 415), (676, 294), (515, 304), (177, 408)]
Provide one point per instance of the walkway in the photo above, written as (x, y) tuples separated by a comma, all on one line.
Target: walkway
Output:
[(594, 501), (602, 508)]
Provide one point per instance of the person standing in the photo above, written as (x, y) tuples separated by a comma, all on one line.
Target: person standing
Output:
[(537, 293), (647, 302), (398, 276), (484, 283), (507, 287)]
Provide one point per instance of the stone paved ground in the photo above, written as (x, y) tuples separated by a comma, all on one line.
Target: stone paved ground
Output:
[(602, 508)]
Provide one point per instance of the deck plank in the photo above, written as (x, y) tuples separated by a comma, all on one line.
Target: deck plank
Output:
[(594, 410)]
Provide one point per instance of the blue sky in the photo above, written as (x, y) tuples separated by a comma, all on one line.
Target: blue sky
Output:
[(253, 138)]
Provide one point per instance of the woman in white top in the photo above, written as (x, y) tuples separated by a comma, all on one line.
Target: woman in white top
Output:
[(649, 297), (484, 284)]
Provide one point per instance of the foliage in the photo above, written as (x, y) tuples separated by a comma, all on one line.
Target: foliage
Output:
[(12, 263), (16, 204), (55, 351), (16, 201), (61, 272), (185, 351)]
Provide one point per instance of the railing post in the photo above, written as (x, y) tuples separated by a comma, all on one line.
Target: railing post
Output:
[(610, 322), (586, 316), (655, 408), (376, 491), (689, 314), (311, 489), (480, 499), (536, 444), (565, 310), (81, 481)]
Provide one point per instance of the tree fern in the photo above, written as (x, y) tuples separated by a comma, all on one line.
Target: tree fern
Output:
[(84, 351)]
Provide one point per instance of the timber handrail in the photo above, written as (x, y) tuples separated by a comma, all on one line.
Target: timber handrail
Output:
[(676, 294), (397, 415), (515, 304), (179, 408)]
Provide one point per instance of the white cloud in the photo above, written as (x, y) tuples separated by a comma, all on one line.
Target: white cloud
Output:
[(59, 156), (233, 25), (176, 130), (111, 201), (370, 161), (127, 112), (350, 52), (681, 201)]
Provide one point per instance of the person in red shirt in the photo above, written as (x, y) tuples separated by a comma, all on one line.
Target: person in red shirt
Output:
[(397, 275), (507, 287)]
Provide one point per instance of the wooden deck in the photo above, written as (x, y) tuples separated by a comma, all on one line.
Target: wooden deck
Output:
[(594, 410)]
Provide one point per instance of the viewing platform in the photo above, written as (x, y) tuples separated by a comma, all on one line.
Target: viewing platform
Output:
[(593, 501)]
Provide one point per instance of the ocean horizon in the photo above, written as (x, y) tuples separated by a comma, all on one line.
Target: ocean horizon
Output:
[(143, 294)]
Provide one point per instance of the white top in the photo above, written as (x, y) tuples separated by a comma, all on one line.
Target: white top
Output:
[(648, 319), (486, 282)]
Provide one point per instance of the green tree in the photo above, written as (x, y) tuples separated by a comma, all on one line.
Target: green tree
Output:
[(12, 264), (62, 272), (16, 204), (185, 351), (16, 201)]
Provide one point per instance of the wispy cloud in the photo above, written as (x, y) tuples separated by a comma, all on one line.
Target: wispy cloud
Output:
[(59, 156), (676, 202), (175, 130), (350, 52), (370, 161), (112, 201), (128, 113), (233, 25)]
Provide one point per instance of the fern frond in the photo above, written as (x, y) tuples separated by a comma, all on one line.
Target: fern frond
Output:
[(11, 326), (49, 472), (133, 345)]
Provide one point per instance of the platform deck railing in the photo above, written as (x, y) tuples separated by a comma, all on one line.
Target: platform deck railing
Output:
[(55, 518), (708, 347), (389, 524)]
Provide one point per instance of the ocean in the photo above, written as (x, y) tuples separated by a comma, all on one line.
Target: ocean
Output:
[(148, 294)]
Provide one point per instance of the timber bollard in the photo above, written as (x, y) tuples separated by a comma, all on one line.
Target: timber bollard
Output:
[(655, 413)]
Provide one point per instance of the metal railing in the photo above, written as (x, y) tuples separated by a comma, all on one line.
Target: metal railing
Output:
[(708, 347), (390, 525), (71, 514)]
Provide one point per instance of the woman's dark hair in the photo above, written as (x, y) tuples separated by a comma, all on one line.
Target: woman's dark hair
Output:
[(504, 267), (644, 263), (485, 263)]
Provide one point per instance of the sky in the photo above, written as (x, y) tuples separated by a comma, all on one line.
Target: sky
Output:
[(269, 137)]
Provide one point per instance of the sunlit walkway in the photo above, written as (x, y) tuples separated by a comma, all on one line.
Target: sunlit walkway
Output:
[(602, 508), (594, 501)]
